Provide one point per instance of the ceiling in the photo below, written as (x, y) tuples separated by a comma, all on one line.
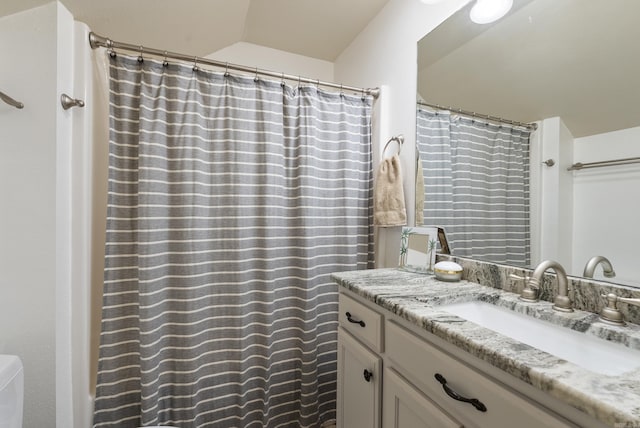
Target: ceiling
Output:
[(577, 59), (319, 29)]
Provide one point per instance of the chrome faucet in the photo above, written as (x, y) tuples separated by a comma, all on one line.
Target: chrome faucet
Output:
[(561, 302), (607, 268)]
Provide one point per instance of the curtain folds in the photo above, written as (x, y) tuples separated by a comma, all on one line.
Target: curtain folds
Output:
[(476, 180), (231, 200)]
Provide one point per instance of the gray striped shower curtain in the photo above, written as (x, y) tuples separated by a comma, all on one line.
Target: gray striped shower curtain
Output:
[(476, 181), (231, 200)]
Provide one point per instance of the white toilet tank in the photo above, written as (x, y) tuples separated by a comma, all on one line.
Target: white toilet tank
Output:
[(11, 391)]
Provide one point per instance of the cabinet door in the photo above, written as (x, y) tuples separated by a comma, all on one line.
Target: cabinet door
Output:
[(403, 406), (359, 383)]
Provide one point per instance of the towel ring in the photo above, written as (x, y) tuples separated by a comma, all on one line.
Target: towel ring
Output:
[(398, 139)]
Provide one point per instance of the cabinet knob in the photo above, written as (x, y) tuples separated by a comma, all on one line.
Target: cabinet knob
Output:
[(367, 375)]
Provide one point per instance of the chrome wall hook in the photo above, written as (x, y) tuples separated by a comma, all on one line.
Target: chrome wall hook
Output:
[(68, 102)]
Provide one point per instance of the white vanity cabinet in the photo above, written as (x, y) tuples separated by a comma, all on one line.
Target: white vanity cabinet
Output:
[(360, 384), (359, 365), (407, 387)]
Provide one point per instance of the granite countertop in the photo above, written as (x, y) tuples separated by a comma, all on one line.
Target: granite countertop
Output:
[(613, 400)]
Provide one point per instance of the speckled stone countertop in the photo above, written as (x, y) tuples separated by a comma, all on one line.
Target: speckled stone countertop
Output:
[(613, 400)]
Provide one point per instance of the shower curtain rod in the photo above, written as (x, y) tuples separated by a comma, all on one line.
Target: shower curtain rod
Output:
[(530, 126), (97, 41)]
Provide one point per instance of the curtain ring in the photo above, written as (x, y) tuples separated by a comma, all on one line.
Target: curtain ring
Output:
[(299, 82), (110, 50), (282, 80), (165, 62), (226, 69), (341, 90), (317, 84), (195, 64), (140, 58), (255, 78)]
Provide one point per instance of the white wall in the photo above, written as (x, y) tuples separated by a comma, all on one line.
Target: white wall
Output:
[(65, 292), (606, 202), (555, 192), (264, 58), (43, 273), (87, 217), (385, 54), (28, 213), (536, 170), (565, 200)]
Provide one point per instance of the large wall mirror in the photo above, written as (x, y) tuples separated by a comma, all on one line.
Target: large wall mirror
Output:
[(572, 67)]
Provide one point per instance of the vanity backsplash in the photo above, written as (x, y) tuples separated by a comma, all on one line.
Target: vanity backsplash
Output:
[(585, 293)]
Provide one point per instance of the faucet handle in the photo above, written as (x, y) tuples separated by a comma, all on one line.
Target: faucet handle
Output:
[(528, 293), (610, 313), (514, 277)]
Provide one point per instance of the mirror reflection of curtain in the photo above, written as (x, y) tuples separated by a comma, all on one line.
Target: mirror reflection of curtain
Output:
[(476, 185)]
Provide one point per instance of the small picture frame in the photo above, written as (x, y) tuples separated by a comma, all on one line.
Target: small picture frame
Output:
[(418, 249)]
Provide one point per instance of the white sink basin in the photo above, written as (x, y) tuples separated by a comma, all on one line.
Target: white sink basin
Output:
[(589, 352)]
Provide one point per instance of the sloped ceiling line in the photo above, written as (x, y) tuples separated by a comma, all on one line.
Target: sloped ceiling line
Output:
[(319, 29)]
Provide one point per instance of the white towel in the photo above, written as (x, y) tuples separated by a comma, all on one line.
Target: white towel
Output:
[(388, 195)]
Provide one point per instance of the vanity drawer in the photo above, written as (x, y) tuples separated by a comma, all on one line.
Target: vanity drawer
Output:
[(362, 322), (420, 361)]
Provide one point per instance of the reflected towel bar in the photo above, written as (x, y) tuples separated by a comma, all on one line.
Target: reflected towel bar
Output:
[(578, 166)]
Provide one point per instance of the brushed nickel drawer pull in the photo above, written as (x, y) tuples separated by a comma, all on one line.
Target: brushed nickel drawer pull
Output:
[(348, 314), (451, 393)]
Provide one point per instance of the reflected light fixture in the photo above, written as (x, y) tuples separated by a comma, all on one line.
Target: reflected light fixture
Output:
[(486, 11)]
